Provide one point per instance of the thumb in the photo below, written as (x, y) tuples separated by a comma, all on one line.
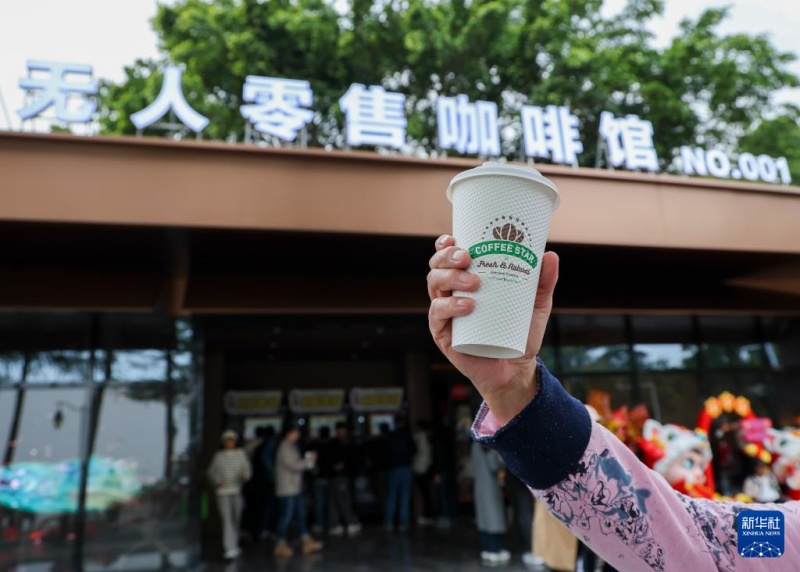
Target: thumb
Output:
[(544, 302), (547, 283)]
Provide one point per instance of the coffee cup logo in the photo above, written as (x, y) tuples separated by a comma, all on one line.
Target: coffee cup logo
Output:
[(506, 258), (508, 232)]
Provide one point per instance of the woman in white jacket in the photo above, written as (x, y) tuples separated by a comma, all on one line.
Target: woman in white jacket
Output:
[(229, 471)]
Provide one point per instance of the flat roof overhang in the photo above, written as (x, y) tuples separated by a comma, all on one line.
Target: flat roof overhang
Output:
[(158, 182), (203, 228)]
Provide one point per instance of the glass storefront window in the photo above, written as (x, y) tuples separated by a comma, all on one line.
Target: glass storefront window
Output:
[(672, 397), (595, 358), (147, 517), (772, 351), (723, 356), (783, 338), (181, 365), (12, 364), (137, 500), (664, 342), (593, 343), (38, 488), (59, 366), (730, 342), (139, 365), (661, 357)]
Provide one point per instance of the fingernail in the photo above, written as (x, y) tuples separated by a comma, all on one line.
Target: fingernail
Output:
[(462, 303), (441, 240), (458, 255)]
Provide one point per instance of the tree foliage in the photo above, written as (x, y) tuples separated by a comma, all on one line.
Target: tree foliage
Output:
[(777, 137), (704, 87)]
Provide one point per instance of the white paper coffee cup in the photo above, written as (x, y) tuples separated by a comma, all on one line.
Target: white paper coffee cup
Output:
[(501, 214)]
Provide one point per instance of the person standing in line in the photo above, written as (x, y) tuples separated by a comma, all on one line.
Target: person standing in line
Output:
[(322, 478), (522, 503), (340, 500), (289, 469), (255, 491), (229, 471), (264, 458), (400, 446), (422, 466), (489, 506), (443, 466)]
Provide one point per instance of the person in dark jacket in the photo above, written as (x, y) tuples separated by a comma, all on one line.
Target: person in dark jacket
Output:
[(264, 458), (400, 449), (322, 480), (340, 500)]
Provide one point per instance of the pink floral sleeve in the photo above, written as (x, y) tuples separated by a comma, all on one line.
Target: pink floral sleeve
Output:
[(628, 514)]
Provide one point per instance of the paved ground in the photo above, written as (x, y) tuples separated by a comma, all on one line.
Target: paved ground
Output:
[(376, 550)]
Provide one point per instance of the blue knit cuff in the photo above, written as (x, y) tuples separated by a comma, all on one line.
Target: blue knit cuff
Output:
[(545, 442)]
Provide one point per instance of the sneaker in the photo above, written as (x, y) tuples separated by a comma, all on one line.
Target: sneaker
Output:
[(310, 545), (232, 554), (530, 559), (336, 531), (504, 555), (490, 557), (353, 529), (422, 521), (282, 549)]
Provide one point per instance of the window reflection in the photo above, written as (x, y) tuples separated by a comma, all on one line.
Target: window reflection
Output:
[(133, 434), (59, 366), (660, 357), (39, 485), (730, 342), (672, 397), (139, 365), (181, 365), (593, 343), (12, 365), (139, 473), (732, 355), (664, 342), (596, 358)]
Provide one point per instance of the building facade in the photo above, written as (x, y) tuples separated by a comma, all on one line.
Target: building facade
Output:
[(146, 283)]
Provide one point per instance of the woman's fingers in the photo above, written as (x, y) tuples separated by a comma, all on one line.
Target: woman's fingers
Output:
[(441, 312), (450, 257), (447, 269), (444, 241), (449, 279)]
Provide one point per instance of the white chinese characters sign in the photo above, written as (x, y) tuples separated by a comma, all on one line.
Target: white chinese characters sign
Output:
[(283, 108)]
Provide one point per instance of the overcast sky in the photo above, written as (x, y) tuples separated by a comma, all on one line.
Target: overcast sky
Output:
[(109, 35)]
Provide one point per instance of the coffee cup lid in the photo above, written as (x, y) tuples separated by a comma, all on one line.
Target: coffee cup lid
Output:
[(491, 168)]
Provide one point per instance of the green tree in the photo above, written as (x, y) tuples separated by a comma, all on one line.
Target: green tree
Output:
[(704, 87), (777, 137)]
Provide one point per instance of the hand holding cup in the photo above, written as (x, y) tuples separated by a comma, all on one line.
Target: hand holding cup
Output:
[(507, 385)]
